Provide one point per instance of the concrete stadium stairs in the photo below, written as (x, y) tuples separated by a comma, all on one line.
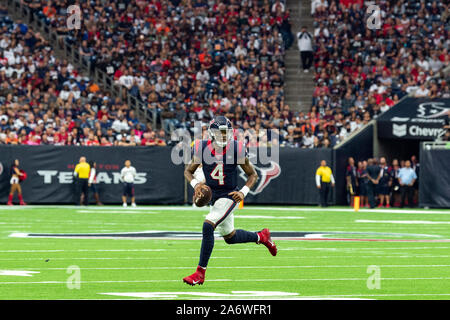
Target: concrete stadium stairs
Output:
[(299, 86)]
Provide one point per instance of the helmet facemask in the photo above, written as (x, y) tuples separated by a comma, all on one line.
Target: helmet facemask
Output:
[(221, 136)]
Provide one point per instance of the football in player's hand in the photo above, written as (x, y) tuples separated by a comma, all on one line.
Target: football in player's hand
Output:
[(202, 195)]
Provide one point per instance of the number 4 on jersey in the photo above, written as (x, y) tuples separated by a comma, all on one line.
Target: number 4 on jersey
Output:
[(217, 174)]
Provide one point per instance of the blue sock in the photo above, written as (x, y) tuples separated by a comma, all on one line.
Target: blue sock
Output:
[(207, 244), (242, 236)]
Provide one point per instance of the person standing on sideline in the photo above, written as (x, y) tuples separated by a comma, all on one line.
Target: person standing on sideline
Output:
[(416, 167), (92, 183), (373, 174), (406, 178), (352, 181), (305, 45), (81, 173), (324, 177), (362, 182), (128, 174), (385, 183), (395, 199), (17, 176)]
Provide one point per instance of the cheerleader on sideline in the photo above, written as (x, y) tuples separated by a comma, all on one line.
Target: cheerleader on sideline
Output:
[(16, 176)]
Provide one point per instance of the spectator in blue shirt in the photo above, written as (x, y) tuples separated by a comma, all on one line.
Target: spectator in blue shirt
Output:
[(406, 178)]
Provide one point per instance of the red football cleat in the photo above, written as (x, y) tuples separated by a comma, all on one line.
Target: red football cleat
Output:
[(198, 277), (388, 206), (264, 238), (10, 203)]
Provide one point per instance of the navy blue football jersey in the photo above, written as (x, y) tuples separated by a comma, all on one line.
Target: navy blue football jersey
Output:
[(386, 176), (220, 168)]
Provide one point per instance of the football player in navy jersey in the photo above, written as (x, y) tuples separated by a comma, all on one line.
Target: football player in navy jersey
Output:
[(220, 158)]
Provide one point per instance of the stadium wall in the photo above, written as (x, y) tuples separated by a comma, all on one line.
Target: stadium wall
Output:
[(50, 175), (290, 181), (434, 176)]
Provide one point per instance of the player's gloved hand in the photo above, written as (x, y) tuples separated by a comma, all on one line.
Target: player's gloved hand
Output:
[(237, 196)]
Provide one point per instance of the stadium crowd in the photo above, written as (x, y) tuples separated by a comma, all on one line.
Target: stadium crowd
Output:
[(195, 59), (188, 60), (43, 100), (362, 70)]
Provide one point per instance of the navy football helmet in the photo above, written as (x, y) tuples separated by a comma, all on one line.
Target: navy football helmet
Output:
[(221, 130)]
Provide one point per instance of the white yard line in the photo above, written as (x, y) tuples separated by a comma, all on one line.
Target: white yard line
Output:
[(266, 217), (256, 267), (403, 221), (205, 295), (263, 208), (378, 295), (409, 256), (85, 250), (117, 211), (378, 250), (19, 273), (350, 210), (226, 280), (108, 258)]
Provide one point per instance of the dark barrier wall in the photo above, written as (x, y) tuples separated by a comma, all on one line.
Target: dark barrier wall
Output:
[(50, 173), (360, 147), (296, 181), (434, 178), (290, 182)]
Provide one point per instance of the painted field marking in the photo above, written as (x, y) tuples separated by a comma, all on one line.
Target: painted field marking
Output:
[(227, 280), (108, 258), (174, 235), (116, 211), (408, 256), (249, 208), (378, 250), (351, 249), (403, 221), (84, 250), (350, 210), (382, 295), (363, 240), (20, 273), (255, 267), (176, 294), (266, 217)]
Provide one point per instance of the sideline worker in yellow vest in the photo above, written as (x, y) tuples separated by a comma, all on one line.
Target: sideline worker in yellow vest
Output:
[(81, 173), (324, 177)]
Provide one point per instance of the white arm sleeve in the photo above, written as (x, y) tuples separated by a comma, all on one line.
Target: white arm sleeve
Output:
[(317, 180), (91, 175), (332, 179)]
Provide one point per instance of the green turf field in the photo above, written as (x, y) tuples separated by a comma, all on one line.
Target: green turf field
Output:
[(375, 254)]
